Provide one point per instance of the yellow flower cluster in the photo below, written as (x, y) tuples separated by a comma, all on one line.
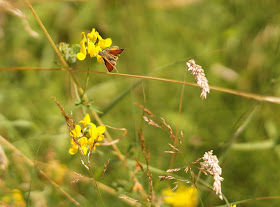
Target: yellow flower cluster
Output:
[(87, 138), (91, 44), (15, 198), (184, 196)]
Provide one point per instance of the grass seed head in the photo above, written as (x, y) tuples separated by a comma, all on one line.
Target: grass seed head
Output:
[(198, 73)]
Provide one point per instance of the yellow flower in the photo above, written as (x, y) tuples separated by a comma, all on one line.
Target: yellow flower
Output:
[(232, 205), (74, 149), (83, 142), (93, 35), (83, 36), (99, 59), (86, 120), (183, 197), (76, 132), (92, 43), (18, 199), (90, 144), (17, 195), (83, 52), (96, 133), (93, 50), (14, 198), (104, 43)]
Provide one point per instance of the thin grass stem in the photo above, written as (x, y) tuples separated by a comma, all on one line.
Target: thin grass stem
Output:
[(270, 99), (80, 90), (30, 163)]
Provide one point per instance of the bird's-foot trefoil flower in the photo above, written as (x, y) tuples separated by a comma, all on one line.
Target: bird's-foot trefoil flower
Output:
[(96, 133), (91, 44), (86, 120), (184, 196), (86, 139)]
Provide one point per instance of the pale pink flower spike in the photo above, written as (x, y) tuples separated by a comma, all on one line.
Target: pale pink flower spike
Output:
[(198, 73), (211, 165)]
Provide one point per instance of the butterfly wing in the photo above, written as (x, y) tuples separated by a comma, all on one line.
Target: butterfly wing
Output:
[(110, 56), (115, 51), (109, 65)]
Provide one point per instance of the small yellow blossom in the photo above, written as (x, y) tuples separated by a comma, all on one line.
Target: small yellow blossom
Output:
[(91, 44), (17, 195), (18, 199), (93, 35), (83, 35), (87, 138), (83, 142), (96, 133), (74, 149), (232, 205), (104, 43), (93, 50), (86, 120), (99, 59), (15, 198), (83, 52), (91, 141), (76, 132), (183, 197)]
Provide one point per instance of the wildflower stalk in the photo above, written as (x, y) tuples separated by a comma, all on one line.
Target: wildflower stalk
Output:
[(80, 90), (30, 163)]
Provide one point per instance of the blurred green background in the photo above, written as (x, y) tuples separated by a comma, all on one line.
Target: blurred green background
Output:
[(235, 42)]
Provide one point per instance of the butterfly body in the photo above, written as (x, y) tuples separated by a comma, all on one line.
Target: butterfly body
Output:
[(110, 57)]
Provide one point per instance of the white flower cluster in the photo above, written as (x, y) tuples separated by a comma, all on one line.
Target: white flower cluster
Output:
[(211, 165), (198, 73)]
